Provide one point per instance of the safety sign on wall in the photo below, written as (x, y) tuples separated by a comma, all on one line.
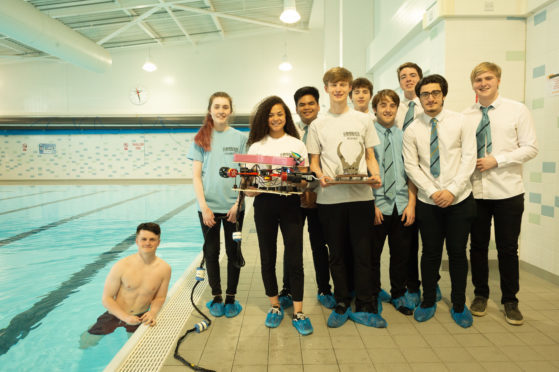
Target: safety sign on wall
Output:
[(47, 148)]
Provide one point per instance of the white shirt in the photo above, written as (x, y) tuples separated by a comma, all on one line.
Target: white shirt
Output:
[(282, 146), (457, 151), (513, 138), (403, 110)]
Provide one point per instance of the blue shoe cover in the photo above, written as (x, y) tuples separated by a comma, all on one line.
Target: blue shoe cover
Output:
[(377, 321), (384, 296), (274, 317), (379, 305), (439, 295), (327, 300), (424, 314), (232, 310), (403, 305), (414, 298), (368, 319), (463, 319), (217, 309), (303, 326), (285, 302), (336, 320)]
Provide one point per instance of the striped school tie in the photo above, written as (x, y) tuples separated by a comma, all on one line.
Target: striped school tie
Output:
[(306, 130), (435, 166), (483, 133), (409, 115), (388, 165)]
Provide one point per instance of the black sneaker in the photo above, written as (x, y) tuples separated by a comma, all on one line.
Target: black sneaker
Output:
[(478, 306), (512, 314)]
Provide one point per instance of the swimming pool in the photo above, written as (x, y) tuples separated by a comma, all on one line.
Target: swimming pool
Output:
[(57, 244)]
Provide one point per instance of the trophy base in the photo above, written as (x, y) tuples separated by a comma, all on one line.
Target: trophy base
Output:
[(351, 179)]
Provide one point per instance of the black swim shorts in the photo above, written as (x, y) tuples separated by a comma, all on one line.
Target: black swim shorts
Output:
[(107, 323)]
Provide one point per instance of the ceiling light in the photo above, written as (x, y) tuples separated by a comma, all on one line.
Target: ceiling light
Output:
[(285, 66), (149, 66), (289, 14)]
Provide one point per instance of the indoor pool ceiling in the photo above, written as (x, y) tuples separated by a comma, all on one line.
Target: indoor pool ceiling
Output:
[(117, 24)]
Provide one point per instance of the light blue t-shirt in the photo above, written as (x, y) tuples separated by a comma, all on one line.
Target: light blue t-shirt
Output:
[(218, 190), (383, 203)]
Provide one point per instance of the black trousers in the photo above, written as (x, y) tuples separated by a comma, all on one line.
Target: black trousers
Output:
[(400, 244), (211, 252), (319, 252), (507, 214), (412, 280), (437, 226), (270, 212), (347, 228)]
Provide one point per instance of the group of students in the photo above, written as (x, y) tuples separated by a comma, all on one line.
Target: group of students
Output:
[(443, 174), (432, 171)]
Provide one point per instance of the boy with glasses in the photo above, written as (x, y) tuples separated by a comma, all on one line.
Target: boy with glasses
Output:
[(439, 154)]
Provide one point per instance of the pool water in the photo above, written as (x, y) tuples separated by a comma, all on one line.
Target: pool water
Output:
[(57, 245)]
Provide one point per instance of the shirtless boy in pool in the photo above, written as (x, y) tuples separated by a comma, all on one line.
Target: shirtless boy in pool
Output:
[(135, 288)]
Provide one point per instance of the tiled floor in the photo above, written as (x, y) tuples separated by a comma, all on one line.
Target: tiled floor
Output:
[(245, 344)]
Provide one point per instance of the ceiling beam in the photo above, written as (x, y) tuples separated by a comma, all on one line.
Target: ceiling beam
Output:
[(128, 25), (236, 18), (7, 43), (144, 26), (179, 25), (216, 20), (107, 8)]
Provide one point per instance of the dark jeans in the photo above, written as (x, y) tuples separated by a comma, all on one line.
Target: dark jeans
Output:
[(437, 226), (270, 212), (211, 253), (347, 228), (319, 252), (399, 242), (507, 214)]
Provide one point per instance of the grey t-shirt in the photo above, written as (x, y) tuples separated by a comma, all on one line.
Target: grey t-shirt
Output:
[(341, 141)]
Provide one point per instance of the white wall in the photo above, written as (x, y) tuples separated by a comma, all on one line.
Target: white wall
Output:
[(399, 37), (450, 46), (540, 234), (244, 67), (426, 48), (355, 34), (502, 41)]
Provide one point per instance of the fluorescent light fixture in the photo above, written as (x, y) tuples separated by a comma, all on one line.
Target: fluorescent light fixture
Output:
[(289, 14), (149, 66)]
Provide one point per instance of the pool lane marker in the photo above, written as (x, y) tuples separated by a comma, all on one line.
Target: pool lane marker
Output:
[(51, 202), (63, 221), (26, 321), (26, 195)]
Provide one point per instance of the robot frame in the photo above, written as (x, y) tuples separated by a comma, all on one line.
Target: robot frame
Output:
[(268, 174)]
